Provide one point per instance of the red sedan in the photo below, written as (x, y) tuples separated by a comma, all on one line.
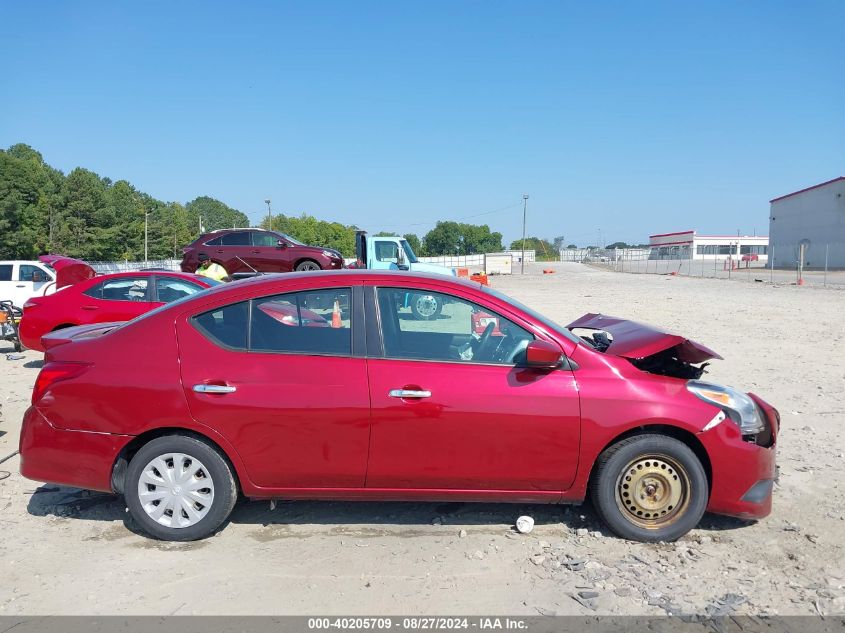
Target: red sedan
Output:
[(381, 406), (107, 298)]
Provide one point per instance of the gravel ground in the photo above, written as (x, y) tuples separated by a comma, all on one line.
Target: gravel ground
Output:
[(65, 551)]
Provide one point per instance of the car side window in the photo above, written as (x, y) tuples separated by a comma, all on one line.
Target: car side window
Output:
[(171, 288), (28, 272), (439, 327), (264, 239), (5, 272), (238, 238), (225, 326), (312, 322), (387, 251), (120, 289), (215, 242)]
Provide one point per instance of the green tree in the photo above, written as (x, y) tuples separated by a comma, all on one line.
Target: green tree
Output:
[(455, 238), (215, 214), (309, 230), (543, 248), (415, 243)]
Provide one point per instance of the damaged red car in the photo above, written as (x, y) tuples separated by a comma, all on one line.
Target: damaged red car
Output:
[(245, 395)]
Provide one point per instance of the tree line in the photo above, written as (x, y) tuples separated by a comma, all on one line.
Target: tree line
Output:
[(84, 215)]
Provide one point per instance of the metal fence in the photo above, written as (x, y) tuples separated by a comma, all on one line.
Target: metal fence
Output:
[(450, 261), (789, 268)]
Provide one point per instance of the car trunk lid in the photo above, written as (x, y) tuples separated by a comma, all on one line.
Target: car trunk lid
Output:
[(68, 270), (76, 333)]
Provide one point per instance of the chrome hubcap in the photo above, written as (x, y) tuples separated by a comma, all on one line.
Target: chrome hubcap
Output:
[(308, 266), (176, 490), (426, 305), (653, 491)]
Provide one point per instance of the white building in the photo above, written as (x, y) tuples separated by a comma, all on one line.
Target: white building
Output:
[(690, 245), (814, 217)]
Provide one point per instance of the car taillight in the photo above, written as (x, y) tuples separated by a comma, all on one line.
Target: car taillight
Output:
[(54, 372), (29, 305)]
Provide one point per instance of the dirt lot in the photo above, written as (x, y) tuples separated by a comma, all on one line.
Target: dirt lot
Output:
[(64, 551)]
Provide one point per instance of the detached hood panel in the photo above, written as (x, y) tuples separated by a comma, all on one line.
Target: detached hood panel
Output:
[(69, 271), (634, 340)]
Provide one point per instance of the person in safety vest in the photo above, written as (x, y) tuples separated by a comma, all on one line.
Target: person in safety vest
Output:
[(210, 269)]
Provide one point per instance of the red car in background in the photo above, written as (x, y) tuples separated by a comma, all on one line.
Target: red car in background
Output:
[(100, 299), (324, 386), (242, 252)]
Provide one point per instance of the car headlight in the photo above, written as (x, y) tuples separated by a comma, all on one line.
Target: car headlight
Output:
[(738, 406), (331, 254)]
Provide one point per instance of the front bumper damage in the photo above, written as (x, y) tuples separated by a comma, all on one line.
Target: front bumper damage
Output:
[(743, 469)]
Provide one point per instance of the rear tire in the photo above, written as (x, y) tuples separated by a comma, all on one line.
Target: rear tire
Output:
[(649, 488), (307, 265), (187, 486)]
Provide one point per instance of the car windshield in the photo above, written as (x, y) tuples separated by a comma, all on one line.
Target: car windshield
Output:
[(409, 252), (290, 239), (534, 314)]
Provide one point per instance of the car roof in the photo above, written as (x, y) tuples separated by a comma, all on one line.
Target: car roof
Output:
[(350, 276), (136, 273), (31, 262)]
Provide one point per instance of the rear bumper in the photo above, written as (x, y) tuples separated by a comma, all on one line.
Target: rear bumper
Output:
[(30, 335), (71, 458), (743, 472)]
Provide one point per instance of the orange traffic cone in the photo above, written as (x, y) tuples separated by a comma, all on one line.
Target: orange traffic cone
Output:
[(336, 315)]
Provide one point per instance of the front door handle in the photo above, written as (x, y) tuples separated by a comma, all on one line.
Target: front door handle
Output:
[(256, 252), (203, 388), (409, 393), (90, 307)]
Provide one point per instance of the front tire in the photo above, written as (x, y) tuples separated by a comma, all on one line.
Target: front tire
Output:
[(307, 265), (649, 488), (179, 488)]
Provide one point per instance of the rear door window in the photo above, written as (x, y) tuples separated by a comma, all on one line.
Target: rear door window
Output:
[(238, 238), (5, 272), (313, 322), (121, 289)]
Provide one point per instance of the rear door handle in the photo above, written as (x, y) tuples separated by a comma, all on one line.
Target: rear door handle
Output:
[(256, 252), (90, 307), (203, 388), (409, 393)]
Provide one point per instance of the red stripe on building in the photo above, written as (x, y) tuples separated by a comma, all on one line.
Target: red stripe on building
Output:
[(795, 193)]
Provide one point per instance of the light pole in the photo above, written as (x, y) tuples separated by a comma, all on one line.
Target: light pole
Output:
[(524, 212), (269, 214), (146, 223)]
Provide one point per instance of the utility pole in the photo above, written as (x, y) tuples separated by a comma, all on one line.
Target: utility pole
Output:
[(269, 215), (524, 212)]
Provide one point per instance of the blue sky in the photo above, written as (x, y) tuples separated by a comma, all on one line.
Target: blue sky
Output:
[(629, 118)]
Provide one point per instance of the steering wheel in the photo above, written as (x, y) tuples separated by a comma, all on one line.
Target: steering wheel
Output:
[(485, 344)]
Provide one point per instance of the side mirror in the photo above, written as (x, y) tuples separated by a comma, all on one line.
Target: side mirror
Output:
[(542, 355), (282, 244)]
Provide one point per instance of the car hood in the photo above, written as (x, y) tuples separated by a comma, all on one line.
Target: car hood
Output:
[(634, 340), (425, 267), (68, 270)]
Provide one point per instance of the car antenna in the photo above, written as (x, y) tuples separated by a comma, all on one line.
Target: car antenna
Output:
[(257, 272)]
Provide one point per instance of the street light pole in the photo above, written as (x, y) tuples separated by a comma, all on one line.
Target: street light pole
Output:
[(146, 215), (524, 212), (269, 215)]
